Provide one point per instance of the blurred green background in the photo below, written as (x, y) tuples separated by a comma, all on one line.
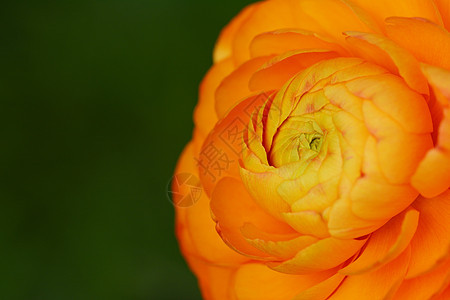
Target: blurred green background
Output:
[(96, 101)]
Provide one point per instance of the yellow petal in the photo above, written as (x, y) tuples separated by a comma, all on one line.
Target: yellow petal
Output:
[(373, 199), (343, 223), (283, 249), (307, 222)]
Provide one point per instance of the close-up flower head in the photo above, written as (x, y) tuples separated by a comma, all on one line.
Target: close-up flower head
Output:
[(321, 154)]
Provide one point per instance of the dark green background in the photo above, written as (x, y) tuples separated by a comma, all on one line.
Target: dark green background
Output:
[(96, 101)]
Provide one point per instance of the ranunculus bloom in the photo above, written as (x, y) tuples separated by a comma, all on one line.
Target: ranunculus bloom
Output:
[(322, 142)]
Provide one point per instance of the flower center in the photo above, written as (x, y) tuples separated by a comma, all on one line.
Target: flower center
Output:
[(299, 139), (313, 141)]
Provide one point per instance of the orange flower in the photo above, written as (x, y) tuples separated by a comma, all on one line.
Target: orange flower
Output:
[(322, 143)]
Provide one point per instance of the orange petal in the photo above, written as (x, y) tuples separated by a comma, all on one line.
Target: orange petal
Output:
[(311, 259), (386, 243), (262, 187), (322, 290), (215, 281), (267, 16), (444, 9), (307, 222), (234, 88), (205, 116), (374, 199), (363, 15), (380, 284), (343, 223), (426, 286), (445, 295), (195, 227), (222, 149), (258, 282), (283, 249), (318, 198), (384, 52), (427, 41), (432, 176), (280, 69), (439, 79), (431, 243), (232, 207), (334, 17), (223, 47), (281, 41), (381, 9), (284, 14)]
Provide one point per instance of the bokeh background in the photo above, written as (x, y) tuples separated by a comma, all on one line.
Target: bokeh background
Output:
[(96, 101)]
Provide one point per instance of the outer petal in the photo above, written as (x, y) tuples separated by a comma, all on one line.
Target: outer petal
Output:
[(268, 16), (223, 48), (444, 9), (230, 198), (334, 17), (445, 295), (280, 69), (258, 282), (215, 281), (281, 41), (425, 286), (195, 227), (384, 52), (380, 284), (205, 116), (386, 243), (413, 34), (431, 243), (327, 17), (234, 88), (311, 259), (323, 290), (221, 150), (381, 9)]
